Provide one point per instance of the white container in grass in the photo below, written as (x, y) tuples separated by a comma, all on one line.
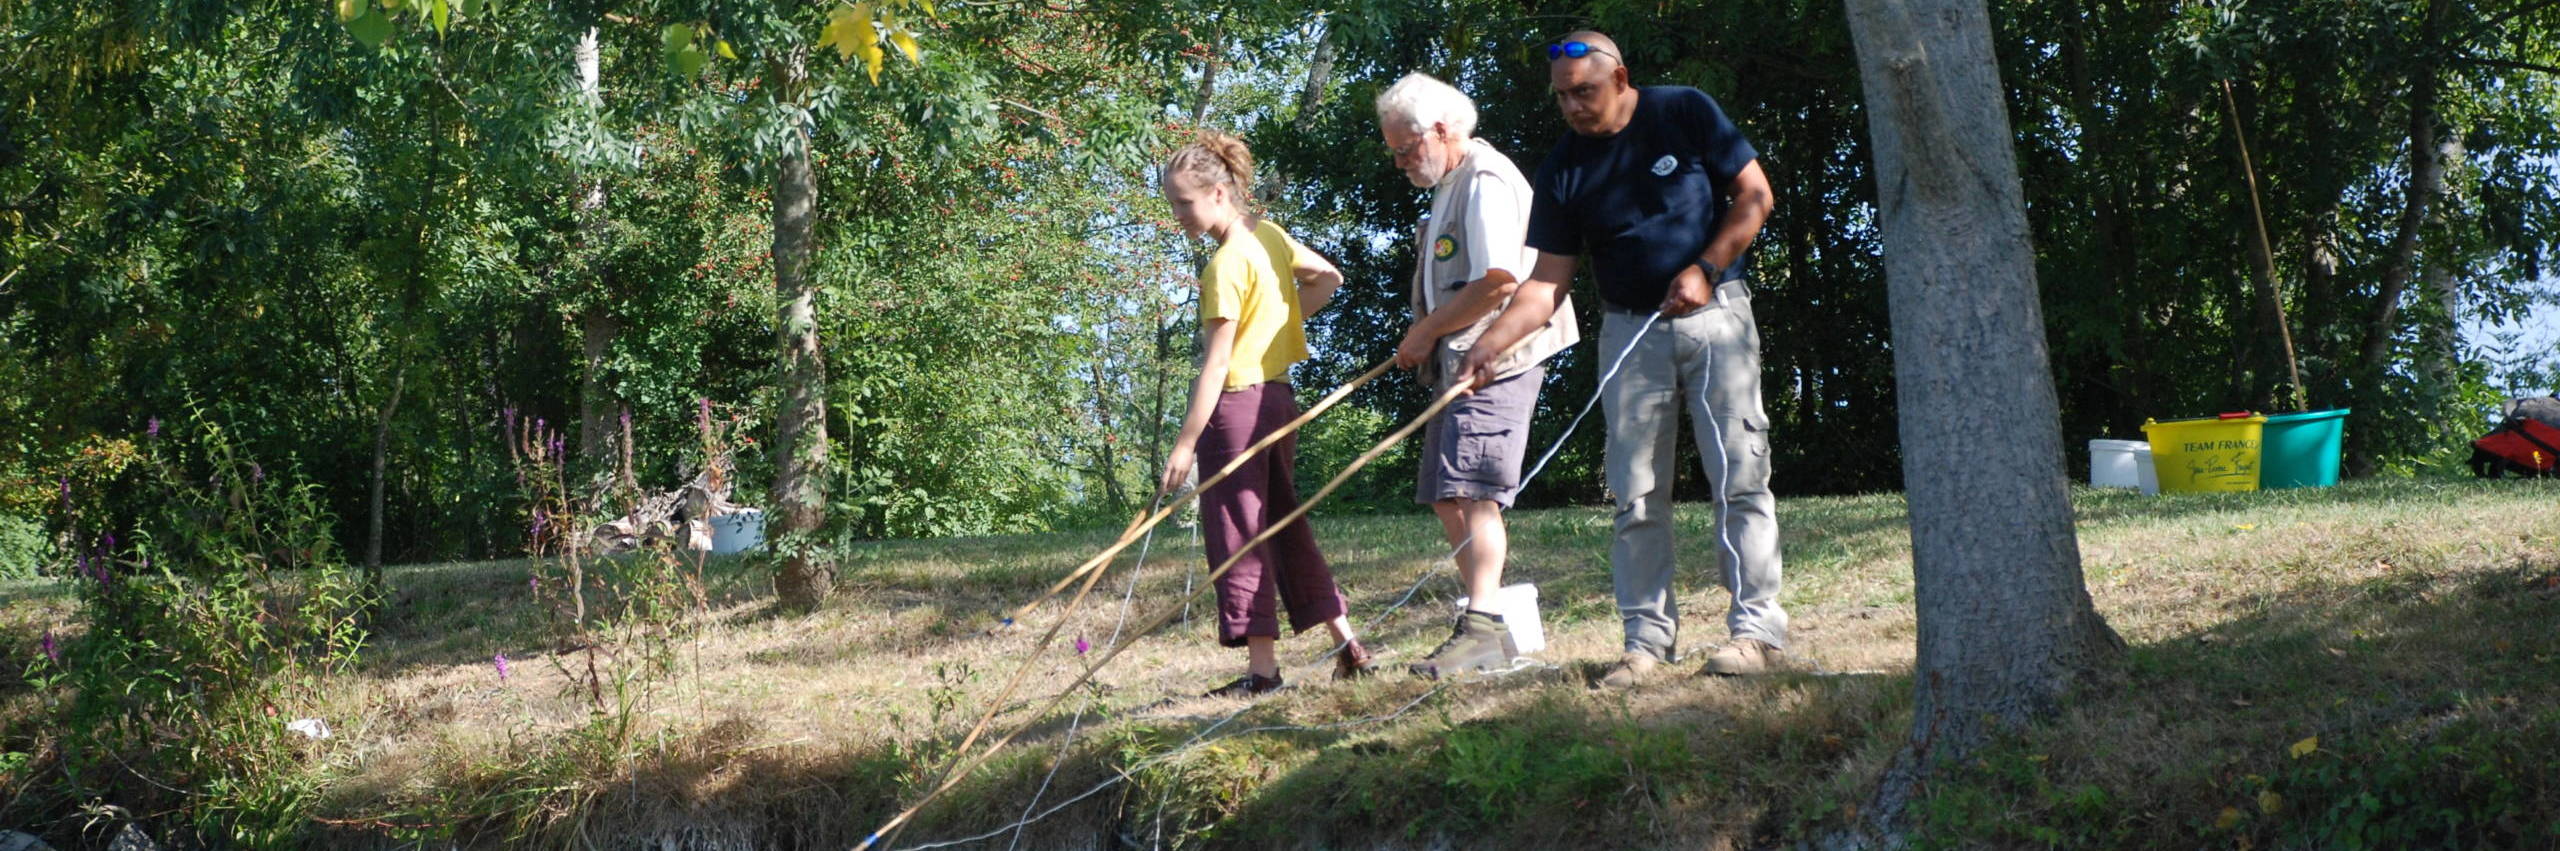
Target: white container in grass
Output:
[(1518, 606), (2122, 464), (737, 531)]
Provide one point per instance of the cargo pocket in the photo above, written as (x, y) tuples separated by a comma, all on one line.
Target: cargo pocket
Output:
[(1478, 451)]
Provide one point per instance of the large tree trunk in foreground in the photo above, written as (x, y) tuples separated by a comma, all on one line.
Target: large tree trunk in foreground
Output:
[(2006, 629), (800, 428)]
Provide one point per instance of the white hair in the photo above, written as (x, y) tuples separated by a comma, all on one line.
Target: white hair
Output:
[(1421, 101)]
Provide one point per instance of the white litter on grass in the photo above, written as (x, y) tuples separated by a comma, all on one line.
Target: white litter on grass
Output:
[(312, 728)]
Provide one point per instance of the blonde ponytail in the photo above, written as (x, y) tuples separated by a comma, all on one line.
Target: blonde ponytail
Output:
[(1214, 159)]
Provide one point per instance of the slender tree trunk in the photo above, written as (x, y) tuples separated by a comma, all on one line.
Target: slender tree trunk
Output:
[(1208, 82), (1319, 71), (596, 406), (2006, 628), (2438, 339), (2426, 176), (800, 428), (597, 325), (381, 454), (2122, 392), (1156, 371), (1106, 458)]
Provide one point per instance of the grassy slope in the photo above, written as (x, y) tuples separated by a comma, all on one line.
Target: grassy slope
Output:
[(2406, 625)]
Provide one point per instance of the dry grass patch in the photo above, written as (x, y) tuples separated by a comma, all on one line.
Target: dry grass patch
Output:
[(2397, 621)]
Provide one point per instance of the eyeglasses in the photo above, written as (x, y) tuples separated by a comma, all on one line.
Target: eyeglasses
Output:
[(1407, 151), (1576, 50)]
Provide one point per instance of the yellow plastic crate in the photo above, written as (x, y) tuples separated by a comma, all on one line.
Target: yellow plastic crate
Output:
[(2207, 455)]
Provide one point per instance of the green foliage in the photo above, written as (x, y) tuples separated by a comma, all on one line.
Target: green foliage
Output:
[(23, 547), (201, 632), (1500, 772), (1332, 442), (2454, 781)]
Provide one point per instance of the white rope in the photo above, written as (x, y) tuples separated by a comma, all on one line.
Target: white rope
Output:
[(1196, 740), (1607, 375), (1136, 568)]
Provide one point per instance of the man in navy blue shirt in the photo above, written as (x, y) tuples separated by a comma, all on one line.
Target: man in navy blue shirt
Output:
[(1663, 193)]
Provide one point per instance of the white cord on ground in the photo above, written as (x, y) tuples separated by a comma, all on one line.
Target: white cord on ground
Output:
[(1178, 750), (1127, 595), (1607, 375)]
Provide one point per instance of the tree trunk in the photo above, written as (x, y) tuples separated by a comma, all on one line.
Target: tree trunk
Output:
[(1319, 71), (800, 428), (596, 405), (2438, 339), (1156, 372), (2426, 176), (1208, 82), (597, 326), (381, 454), (1106, 458), (2006, 628)]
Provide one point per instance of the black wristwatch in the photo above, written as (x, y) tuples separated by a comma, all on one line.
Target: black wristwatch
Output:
[(1715, 273)]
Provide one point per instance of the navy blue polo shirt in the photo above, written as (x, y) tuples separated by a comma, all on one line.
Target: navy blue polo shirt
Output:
[(1643, 203)]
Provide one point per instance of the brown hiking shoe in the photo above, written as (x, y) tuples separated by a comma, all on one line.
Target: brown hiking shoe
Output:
[(1632, 667), (1742, 657), (1480, 643), (1353, 662), (1249, 685)]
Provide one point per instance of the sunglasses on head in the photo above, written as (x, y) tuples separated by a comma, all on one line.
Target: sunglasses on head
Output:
[(1574, 50)]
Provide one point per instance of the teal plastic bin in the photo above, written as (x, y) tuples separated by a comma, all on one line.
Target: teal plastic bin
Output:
[(2301, 450)]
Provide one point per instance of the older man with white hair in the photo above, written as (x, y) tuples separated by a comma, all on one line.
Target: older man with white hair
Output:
[(1469, 254)]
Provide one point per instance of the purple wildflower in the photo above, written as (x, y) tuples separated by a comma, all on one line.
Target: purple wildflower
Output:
[(257, 473), (558, 448), (626, 419), (1081, 646), (66, 494), (541, 519), (111, 542), (501, 661), (52, 651), (153, 429), (533, 584)]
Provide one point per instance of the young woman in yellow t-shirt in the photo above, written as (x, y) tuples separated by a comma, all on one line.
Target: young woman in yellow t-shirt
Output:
[(1259, 286)]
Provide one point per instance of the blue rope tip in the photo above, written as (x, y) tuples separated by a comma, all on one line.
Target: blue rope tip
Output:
[(874, 839), (1005, 622)]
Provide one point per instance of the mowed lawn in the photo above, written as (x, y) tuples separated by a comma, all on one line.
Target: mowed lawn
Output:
[(2372, 664)]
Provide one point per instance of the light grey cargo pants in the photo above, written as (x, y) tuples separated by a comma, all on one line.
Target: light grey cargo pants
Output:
[(1709, 361)]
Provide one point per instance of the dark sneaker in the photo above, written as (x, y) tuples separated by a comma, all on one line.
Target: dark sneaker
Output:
[(1742, 657), (1353, 662), (1632, 667), (1479, 643), (1249, 685)]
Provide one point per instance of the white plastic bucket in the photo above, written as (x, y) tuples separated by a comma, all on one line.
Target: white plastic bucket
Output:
[(738, 531), (2122, 464), (1518, 606)]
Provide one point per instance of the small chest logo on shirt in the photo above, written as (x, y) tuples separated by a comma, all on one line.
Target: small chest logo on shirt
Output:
[(1443, 248), (1662, 167)]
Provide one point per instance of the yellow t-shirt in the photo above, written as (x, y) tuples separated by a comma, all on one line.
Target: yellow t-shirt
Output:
[(1248, 281)]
